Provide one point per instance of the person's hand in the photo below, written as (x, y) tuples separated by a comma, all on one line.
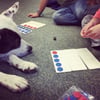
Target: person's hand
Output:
[(93, 32), (92, 23), (85, 28), (33, 15)]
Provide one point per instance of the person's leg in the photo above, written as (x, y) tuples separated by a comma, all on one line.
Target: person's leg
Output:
[(81, 9), (65, 16), (95, 43), (74, 13), (70, 14)]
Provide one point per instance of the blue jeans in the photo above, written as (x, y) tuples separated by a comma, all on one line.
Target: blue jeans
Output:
[(74, 13)]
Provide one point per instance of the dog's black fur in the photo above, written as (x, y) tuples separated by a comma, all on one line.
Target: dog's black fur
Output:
[(9, 40)]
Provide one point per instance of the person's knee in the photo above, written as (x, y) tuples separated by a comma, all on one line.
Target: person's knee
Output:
[(86, 19), (69, 19), (57, 19)]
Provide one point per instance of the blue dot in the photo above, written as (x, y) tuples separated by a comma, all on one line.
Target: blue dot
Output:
[(22, 27), (60, 69), (28, 29), (56, 60), (73, 98), (58, 64), (65, 98), (55, 56)]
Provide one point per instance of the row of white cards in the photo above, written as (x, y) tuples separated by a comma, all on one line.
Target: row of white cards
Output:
[(28, 27), (33, 24), (74, 60)]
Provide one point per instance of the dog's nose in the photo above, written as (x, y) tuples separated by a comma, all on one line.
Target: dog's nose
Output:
[(29, 49)]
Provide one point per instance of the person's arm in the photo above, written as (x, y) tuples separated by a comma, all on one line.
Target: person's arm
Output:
[(97, 15), (41, 8), (94, 21), (93, 32)]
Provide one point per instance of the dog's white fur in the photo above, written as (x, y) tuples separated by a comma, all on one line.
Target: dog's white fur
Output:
[(13, 82)]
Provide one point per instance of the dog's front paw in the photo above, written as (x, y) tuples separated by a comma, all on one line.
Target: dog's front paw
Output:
[(23, 65), (13, 82), (26, 66)]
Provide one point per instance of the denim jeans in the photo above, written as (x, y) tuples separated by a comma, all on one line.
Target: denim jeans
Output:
[(72, 14)]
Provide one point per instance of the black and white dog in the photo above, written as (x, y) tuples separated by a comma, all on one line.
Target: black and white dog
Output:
[(12, 46)]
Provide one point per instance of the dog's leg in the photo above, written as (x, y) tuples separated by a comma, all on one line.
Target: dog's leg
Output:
[(13, 82), (21, 64), (12, 10)]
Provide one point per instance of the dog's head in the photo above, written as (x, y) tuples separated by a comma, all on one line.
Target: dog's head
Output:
[(9, 40), (12, 43)]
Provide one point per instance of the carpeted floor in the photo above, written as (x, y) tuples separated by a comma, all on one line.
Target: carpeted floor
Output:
[(46, 84)]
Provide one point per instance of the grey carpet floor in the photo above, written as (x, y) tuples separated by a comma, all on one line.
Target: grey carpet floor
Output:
[(46, 84)]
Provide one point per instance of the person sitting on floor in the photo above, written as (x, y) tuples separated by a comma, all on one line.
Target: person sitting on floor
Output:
[(70, 14), (92, 28)]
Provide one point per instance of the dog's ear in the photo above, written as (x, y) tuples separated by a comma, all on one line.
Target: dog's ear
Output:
[(12, 10), (9, 40)]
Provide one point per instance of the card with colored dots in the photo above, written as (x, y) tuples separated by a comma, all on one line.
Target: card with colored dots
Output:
[(27, 27), (24, 29), (73, 60)]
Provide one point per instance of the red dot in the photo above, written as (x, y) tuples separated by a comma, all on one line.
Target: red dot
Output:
[(54, 52), (30, 26), (83, 98), (25, 25), (33, 27), (77, 94)]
